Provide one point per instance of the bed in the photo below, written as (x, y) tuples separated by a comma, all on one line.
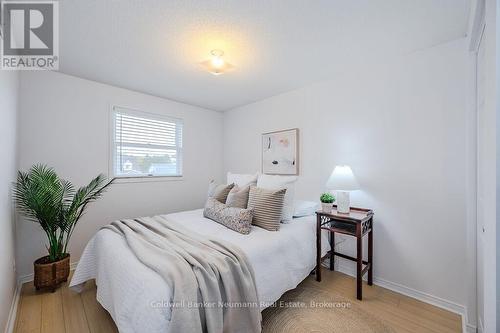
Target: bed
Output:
[(137, 297)]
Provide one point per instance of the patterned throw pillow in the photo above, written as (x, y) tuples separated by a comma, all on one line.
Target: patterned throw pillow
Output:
[(267, 206), (237, 219), (219, 191), (238, 197)]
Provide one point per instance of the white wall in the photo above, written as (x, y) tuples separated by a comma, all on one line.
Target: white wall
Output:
[(496, 221), (401, 126), (487, 171), (8, 127), (471, 198), (64, 122)]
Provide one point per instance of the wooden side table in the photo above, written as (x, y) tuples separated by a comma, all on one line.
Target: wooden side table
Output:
[(357, 223)]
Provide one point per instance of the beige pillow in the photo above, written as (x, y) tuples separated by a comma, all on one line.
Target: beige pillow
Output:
[(267, 206), (219, 191), (238, 197)]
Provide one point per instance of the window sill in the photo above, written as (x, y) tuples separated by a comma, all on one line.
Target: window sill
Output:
[(148, 179)]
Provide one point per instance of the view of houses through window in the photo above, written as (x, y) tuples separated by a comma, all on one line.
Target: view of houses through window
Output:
[(146, 145)]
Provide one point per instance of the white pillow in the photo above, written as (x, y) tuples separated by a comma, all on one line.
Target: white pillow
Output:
[(304, 208), (276, 183), (242, 180)]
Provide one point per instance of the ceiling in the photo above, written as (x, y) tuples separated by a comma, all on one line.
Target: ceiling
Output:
[(155, 46)]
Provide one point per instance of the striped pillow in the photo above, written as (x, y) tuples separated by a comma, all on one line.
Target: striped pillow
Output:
[(267, 206)]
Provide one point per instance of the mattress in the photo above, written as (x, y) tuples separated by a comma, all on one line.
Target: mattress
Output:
[(137, 297)]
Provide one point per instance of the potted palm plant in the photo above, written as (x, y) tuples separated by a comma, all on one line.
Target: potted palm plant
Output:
[(54, 203)]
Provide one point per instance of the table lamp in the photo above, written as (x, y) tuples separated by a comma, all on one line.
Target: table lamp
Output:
[(343, 181)]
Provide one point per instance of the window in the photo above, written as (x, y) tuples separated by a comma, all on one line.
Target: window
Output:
[(145, 145)]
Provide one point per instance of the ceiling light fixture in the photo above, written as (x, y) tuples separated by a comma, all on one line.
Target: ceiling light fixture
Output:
[(217, 65)]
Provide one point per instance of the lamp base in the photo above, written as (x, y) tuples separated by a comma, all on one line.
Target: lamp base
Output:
[(343, 202)]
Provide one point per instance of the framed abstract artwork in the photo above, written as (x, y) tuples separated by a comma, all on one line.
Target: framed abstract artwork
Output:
[(280, 152)]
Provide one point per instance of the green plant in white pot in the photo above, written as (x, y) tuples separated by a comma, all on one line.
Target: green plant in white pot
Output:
[(327, 201), (54, 203)]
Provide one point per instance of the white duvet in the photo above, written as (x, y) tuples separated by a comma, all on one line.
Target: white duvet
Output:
[(137, 297)]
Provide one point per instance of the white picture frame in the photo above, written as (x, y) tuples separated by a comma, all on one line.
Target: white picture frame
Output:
[(280, 152)]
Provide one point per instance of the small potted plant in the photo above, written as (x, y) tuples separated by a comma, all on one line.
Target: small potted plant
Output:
[(42, 197), (327, 201)]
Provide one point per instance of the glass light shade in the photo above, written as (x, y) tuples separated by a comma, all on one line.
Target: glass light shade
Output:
[(342, 179), (221, 67), (217, 65)]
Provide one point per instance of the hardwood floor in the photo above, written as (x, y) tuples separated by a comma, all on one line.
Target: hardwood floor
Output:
[(62, 311), (67, 311)]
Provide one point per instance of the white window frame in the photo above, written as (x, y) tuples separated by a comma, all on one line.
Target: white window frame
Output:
[(112, 146)]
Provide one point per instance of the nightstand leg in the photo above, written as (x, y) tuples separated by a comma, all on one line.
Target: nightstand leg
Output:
[(370, 255), (318, 248), (359, 263), (332, 245)]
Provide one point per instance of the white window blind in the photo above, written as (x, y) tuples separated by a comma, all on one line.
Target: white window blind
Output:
[(146, 145)]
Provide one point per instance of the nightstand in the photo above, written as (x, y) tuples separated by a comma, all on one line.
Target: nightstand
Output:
[(357, 223)]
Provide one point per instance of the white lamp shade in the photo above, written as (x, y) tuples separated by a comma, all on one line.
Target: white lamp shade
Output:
[(342, 179)]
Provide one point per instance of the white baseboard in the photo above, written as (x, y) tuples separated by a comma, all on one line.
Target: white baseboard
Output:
[(470, 328), (466, 326), (340, 266), (421, 296), (15, 302), (480, 328), (11, 320), (25, 278)]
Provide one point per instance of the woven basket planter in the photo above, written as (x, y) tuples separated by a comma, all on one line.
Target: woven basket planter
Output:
[(51, 274)]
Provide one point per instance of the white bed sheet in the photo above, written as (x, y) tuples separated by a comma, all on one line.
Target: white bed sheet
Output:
[(135, 295)]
